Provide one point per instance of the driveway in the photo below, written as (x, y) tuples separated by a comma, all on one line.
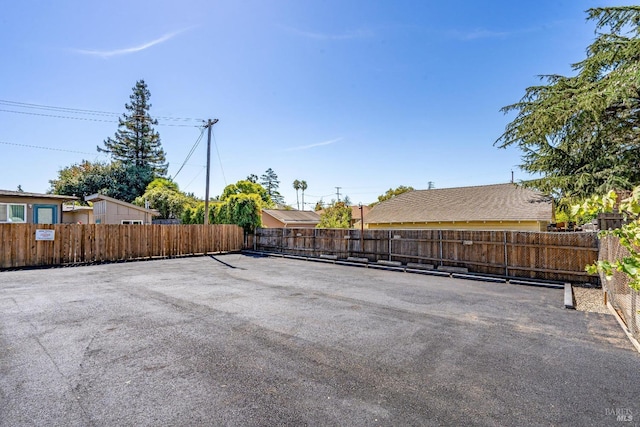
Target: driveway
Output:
[(240, 340)]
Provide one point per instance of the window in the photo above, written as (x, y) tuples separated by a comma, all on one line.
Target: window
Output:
[(131, 221), (45, 214), (10, 212)]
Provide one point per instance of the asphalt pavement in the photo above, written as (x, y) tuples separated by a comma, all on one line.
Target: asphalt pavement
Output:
[(251, 341)]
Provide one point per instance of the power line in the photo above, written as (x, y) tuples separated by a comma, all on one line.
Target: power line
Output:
[(83, 111), (81, 118), (190, 153), (46, 148), (194, 178), (219, 159)]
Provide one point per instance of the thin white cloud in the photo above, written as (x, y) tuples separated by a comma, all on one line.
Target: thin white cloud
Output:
[(349, 35), (128, 50), (319, 144), (482, 33)]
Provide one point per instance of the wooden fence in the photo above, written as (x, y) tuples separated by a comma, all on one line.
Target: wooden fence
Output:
[(532, 255), (80, 243)]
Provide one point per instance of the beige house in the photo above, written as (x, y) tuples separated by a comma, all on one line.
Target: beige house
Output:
[(280, 218), (32, 208), (486, 207), (74, 214), (107, 210)]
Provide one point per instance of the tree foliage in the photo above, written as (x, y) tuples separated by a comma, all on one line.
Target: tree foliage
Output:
[(244, 210), (391, 193), (338, 215), (165, 196), (303, 188), (628, 234), (241, 204), (117, 180), (136, 142), (270, 182), (580, 133), (297, 186), (247, 187)]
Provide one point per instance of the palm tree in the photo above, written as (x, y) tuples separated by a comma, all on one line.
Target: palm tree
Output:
[(303, 186), (296, 186)]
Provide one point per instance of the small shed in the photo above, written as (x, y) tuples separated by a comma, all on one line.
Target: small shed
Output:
[(74, 214), (107, 210)]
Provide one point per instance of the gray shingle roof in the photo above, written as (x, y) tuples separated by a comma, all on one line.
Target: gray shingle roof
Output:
[(292, 217), (498, 202)]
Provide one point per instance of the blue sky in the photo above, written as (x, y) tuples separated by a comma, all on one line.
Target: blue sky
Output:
[(362, 95)]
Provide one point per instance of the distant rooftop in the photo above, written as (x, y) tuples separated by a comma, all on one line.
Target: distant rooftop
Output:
[(293, 216), (24, 194), (498, 202)]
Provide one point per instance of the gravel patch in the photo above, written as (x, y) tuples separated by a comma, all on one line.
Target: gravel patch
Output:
[(589, 299)]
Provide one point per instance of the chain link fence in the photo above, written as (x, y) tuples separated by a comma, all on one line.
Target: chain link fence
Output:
[(623, 299)]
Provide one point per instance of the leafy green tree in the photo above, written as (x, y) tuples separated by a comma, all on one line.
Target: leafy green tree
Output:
[(270, 182), (240, 203), (164, 196), (111, 179), (580, 133), (244, 210), (127, 181), (252, 178), (391, 193), (338, 215), (628, 234), (247, 187), (136, 142)]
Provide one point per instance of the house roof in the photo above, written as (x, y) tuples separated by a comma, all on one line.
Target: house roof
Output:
[(8, 193), (98, 197), (498, 202), (293, 217), (74, 208)]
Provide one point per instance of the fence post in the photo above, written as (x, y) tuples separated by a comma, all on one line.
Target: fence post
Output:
[(440, 244), (390, 242), (506, 259)]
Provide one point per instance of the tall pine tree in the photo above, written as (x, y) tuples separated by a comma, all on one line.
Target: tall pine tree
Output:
[(580, 133), (271, 183), (136, 143)]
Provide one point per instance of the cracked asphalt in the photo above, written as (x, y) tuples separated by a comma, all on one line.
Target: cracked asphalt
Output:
[(250, 341)]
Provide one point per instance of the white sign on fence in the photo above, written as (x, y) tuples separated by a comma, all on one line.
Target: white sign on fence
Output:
[(45, 234)]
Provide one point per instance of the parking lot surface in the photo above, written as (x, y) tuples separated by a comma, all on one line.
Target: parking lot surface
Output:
[(251, 341)]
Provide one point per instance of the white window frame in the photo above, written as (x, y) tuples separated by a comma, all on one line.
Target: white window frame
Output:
[(6, 218), (131, 221)]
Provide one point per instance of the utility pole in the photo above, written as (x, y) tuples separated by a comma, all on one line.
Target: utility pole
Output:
[(209, 124), (338, 193)]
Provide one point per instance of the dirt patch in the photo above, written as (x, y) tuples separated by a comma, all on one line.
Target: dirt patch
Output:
[(589, 299)]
